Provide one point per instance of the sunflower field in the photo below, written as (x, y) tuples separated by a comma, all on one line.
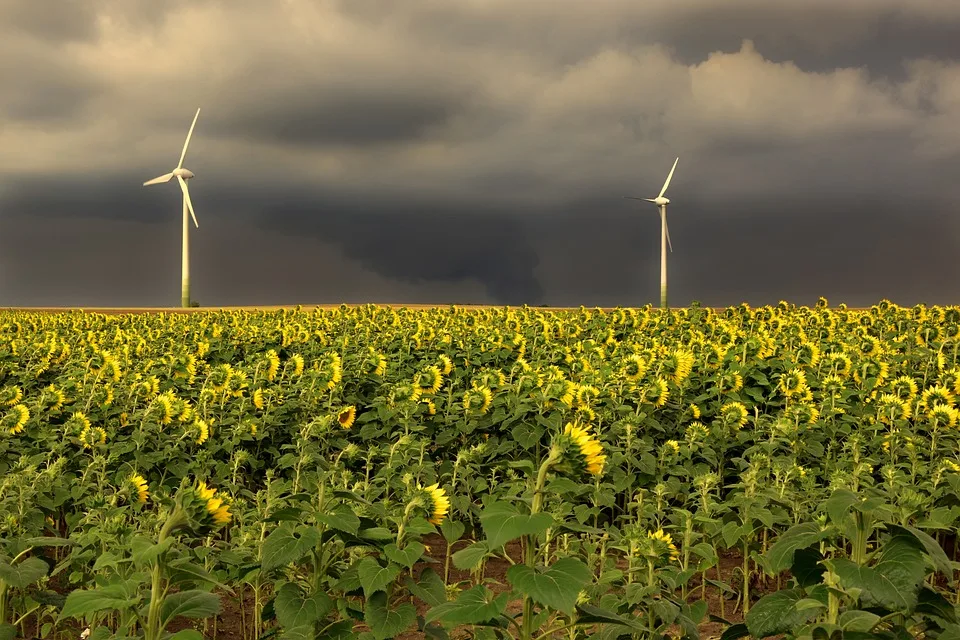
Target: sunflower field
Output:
[(372, 473)]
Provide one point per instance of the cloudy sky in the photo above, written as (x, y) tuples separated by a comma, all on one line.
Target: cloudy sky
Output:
[(477, 151)]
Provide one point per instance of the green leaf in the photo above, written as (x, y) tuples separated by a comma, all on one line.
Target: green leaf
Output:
[(893, 582), (430, 588), (286, 544), (780, 555), (342, 519), (83, 602), (23, 573), (502, 522), (193, 603), (777, 613), (305, 632), (931, 546), (407, 556), (46, 541), (373, 577), (342, 630), (806, 567), (185, 570), (470, 557), (557, 587), (145, 551), (451, 530), (589, 614), (386, 623), (933, 604), (8, 632), (858, 620), (735, 632), (838, 504), (295, 609), (473, 606), (187, 634)]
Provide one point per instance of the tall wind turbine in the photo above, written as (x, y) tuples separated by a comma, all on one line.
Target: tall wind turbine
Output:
[(183, 174), (662, 203)]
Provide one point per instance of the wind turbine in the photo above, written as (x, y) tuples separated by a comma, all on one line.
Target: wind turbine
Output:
[(183, 174), (662, 203)]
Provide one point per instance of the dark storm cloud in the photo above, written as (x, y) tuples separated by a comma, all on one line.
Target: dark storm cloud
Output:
[(325, 115), (424, 241), (430, 151)]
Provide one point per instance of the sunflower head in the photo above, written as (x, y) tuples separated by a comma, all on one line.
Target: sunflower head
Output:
[(733, 415), (138, 488), (347, 416), (206, 507), (581, 451), (437, 503)]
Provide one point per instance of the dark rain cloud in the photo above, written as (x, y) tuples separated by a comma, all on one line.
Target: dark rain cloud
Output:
[(463, 152)]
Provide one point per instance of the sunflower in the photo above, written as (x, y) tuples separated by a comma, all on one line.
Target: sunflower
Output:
[(695, 432), (347, 416), (139, 487), (429, 380), (16, 419), (92, 436), (201, 430), (589, 449), (634, 367), (10, 395), (273, 364), (438, 504), (733, 415), (214, 506), (934, 395), (793, 382), (657, 392), (678, 365), (942, 415), (664, 544), (258, 400), (671, 446), (446, 364)]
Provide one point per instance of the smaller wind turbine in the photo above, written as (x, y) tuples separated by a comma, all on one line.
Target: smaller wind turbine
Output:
[(662, 203), (183, 174)]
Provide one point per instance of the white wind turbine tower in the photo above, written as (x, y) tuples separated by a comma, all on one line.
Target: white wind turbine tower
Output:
[(662, 203), (183, 174)]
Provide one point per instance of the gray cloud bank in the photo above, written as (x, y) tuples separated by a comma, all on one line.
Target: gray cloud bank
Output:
[(429, 151)]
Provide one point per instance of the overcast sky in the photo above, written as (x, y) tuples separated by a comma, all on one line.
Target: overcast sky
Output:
[(475, 151)]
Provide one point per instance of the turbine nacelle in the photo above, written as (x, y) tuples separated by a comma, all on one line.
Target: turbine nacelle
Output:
[(183, 172), (660, 202)]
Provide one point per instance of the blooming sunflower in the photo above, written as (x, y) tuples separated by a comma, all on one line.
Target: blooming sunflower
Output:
[(588, 448), (664, 541), (139, 487), (347, 416), (16, 419), (438, 504), (215, 507), (733, 415)]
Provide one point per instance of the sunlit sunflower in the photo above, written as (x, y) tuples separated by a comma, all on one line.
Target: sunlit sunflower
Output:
[(666, 541), (793, 383), (139, 487), (446, 364), (588, 449), (934, 395), (347, 416), (201, 431), (634, 367), (733, 415), (657, 392), (214, 506), (677, 365), (16, 419), (942, 416), (429, 379), (438, 504)]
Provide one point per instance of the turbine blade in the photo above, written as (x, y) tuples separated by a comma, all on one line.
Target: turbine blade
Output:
[(186, 196), (183, 154), (164, 178), (644, 199), (669, 175)]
